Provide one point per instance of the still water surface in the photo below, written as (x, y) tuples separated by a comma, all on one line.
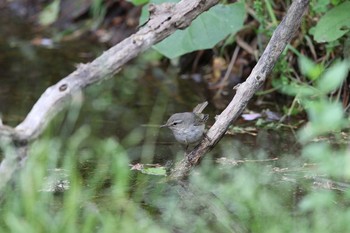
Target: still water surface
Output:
[(127, 107)]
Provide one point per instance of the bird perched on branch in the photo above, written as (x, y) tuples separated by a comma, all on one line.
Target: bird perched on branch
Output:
[(188, 127)]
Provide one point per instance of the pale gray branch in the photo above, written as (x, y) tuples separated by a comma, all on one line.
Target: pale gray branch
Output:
[(164, 20), (279, 40)]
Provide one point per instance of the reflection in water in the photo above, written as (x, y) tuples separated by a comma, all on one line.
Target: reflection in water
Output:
[(119, 107), (27, 69), (128, 108), (143, 93)]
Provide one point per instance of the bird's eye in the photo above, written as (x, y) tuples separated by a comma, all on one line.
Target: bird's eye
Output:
[(176, 122)]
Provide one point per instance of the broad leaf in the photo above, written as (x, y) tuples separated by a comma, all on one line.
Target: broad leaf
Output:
[(334, 24), (205, 31)]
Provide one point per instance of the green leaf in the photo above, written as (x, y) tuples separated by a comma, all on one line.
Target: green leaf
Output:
[(309, 68), (138, 2), (324, 117), (50, 13), (320, 6), (325, 113), (205, 31), (335, 2), (296, 89), (334, 24), (333, 77), (156, 171)]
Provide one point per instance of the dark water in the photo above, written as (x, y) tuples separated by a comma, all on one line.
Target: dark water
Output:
[(122, 107), (127, 107), (28, 69)]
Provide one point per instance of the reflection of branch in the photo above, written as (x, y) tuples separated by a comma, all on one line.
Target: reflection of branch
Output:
[(325, 183), (305, 173), (295, 175), (235, 162), (280, 38), (164, 19)]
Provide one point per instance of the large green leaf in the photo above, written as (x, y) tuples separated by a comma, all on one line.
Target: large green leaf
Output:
[(205, 31), (334, 24)]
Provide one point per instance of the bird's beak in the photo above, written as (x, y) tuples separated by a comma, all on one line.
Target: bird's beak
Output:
[(163, 126)]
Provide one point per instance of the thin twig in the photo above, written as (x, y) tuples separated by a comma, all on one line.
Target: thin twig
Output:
[(228, 72)]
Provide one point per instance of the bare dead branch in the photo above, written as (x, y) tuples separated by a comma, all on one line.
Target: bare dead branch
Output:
[(164, 20), (280, 38)]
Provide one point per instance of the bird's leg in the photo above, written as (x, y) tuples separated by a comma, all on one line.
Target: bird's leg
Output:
[(187, 145)]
